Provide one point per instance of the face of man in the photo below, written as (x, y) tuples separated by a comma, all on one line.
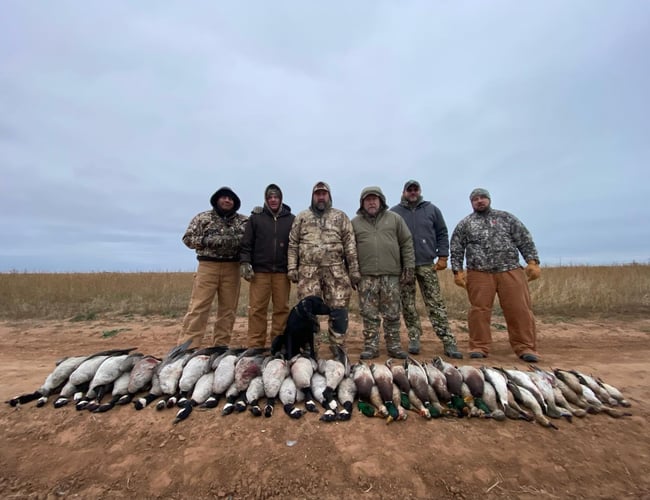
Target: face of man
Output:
[(371, 204), (480, 203), (321, 198), (273, 201), (225, 202), (411, 193)]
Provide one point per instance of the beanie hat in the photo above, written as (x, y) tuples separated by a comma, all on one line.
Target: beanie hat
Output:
[(479, 192)]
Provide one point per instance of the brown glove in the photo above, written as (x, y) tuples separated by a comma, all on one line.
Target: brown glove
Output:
[(441, 264), (533, 271), (293, 275), (459, 279), (407, 277)]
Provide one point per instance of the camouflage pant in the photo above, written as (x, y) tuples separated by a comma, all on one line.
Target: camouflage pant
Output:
[(333, 285), (427, 278), (380, 296)]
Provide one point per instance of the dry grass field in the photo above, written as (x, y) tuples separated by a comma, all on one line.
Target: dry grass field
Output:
[(562, 293), (594, 319)]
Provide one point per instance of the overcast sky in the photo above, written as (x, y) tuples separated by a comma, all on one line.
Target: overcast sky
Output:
[(118, 120)]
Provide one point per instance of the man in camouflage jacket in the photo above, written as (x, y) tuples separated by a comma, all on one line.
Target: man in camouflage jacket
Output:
[(491, 241), (216, 237), (386, 260), (322, 259), (431, 242)]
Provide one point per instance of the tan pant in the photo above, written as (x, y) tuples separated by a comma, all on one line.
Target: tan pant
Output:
[(212, 278), (267, 287), (514, 297)]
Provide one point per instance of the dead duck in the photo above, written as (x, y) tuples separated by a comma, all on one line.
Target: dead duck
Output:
[(490, 399), (525, 397), (424, 397), (384, 382), (614, 392), (473, 378), (454, 386), (363, 380)]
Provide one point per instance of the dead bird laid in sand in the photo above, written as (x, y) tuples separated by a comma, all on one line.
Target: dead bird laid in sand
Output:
[(274, 372)]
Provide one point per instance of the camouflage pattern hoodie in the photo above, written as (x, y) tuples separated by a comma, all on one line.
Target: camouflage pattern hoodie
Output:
[(228, 227), (322, 238), (491, 242)]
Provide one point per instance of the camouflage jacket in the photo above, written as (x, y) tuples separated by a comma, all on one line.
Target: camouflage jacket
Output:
[(225, 234), (325, 240), (491, 242)]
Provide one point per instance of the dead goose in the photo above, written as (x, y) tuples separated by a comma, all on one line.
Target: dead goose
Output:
[(102, 381), (120, 388), (155, 389), (289, 396), (273, 374), (200, 393), (140, 378), (333, 370), (53, 382), (318, 389), (246, 369), (254, 392), (196, 366), (224, 377), (169, 375), (302, 368), (346, 392)]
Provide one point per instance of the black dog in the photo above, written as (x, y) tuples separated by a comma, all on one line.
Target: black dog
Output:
[(301, 326)]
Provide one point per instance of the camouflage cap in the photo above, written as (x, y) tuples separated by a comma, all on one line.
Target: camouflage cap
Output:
[(479, 192), (321, 186), (410, 183)]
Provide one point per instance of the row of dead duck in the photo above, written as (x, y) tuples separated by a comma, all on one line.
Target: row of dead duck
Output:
[(190, 378)]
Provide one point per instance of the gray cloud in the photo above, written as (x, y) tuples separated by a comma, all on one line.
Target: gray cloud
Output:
[(118, 121)]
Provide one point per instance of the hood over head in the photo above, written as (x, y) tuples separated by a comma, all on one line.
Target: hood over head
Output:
[(324, 186), (225, 190), (376, 190)]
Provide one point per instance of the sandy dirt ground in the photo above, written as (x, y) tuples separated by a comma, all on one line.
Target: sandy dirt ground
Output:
[(64, 453)]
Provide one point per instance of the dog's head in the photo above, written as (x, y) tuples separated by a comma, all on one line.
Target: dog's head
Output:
[(313, 306)]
